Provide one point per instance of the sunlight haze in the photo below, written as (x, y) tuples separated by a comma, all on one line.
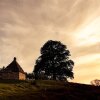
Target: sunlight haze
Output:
[(25, 25)]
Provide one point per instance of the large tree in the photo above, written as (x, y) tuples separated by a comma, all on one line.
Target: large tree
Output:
[(54, 61)]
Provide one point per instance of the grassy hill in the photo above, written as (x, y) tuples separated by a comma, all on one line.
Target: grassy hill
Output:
[(47, 90)]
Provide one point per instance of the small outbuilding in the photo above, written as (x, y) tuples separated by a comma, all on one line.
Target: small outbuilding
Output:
[(13, 71)]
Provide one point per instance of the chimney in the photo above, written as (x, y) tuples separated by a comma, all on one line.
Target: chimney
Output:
[(14, 58)]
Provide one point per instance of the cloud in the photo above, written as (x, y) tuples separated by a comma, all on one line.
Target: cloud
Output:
[(26, 25)]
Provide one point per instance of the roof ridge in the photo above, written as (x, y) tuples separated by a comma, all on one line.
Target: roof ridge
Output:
[(14, 66)]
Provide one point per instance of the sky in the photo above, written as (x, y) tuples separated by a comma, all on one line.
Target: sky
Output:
[(25, 25)]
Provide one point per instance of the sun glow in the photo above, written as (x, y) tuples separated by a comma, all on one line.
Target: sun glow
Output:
[(90, 34)]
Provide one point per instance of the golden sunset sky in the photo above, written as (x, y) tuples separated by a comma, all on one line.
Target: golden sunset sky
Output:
[(25, 25)]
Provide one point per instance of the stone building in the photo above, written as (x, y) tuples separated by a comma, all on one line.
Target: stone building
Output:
[(13, 71)]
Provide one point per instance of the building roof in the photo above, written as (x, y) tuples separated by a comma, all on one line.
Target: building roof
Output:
[(14, 67)]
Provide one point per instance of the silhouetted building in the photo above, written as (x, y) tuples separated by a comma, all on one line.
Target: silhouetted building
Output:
[(13, 71)]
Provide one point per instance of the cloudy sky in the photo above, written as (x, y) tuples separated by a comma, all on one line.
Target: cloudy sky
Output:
[(25, 25)]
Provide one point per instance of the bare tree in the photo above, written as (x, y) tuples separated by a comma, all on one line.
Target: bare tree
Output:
[(95, 82)]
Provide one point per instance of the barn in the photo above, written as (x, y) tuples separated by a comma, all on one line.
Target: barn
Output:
[(13, 71)]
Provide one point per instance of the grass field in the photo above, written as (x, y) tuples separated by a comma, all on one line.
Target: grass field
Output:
[(47, 90)]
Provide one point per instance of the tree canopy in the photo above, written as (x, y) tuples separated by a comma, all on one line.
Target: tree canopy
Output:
[(54, 61)]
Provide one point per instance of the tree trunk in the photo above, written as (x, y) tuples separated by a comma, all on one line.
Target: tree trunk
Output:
[(54, 76)]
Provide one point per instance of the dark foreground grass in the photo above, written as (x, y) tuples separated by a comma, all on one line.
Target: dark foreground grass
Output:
[(47, 90)]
